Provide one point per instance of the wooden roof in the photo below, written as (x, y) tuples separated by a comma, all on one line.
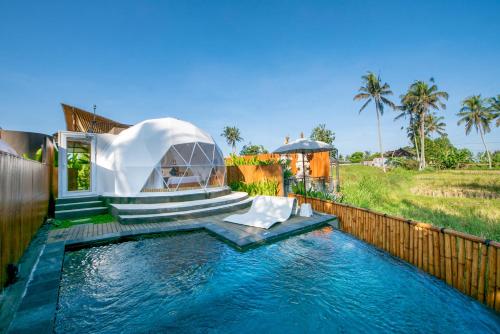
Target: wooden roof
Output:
[(79, 120)]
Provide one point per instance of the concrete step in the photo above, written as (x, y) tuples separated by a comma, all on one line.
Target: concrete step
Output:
[(67, 200), (167, 197), (187, 214), (79, 205), (142, 209), (79, 213)]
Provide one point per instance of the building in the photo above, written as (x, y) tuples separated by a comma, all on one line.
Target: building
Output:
[(157, 155)]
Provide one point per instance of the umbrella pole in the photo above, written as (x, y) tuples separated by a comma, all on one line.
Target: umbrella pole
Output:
[(304, 175)]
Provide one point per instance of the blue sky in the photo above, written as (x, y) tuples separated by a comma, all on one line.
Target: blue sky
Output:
[(272, 68)]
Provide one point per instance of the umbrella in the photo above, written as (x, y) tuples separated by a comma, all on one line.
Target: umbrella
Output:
[(304, 146)]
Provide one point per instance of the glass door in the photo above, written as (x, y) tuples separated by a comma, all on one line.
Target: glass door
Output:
[(76, 157)]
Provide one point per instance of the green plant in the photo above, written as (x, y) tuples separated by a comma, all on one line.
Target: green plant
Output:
[(235, 160), (423, 97), (81, 163), (252, 149), (264, 187), (36, 157), (356, 157), (232, 135), (374, 90), (298, 189), (65, 223), (475, 113), (409, 164)]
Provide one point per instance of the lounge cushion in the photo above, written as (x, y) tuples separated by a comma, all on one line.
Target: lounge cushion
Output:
[(265, 212)]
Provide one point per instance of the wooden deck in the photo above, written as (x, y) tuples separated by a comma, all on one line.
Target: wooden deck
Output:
[(238, 235)]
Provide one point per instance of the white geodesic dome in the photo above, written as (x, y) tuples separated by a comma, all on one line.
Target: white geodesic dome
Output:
[(164, 154)]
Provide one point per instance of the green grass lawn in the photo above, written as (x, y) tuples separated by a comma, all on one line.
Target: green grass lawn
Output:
[(65, 223), (407, 194)]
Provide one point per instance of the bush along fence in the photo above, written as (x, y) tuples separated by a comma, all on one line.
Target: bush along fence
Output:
[(468, 263), (24, 202), (266, 179)]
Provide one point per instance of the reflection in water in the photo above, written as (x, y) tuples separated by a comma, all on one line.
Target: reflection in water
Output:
[(322, 281)]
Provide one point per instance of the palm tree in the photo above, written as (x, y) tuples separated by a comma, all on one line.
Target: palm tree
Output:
[(424, 97), (372, 89), (435, 124), (407, 109), (232, 135), (475, 113), (495, 107)]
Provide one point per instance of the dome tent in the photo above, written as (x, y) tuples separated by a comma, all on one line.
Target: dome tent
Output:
[(164, 154)]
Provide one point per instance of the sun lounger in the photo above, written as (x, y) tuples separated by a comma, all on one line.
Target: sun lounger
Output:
[(265, 212)]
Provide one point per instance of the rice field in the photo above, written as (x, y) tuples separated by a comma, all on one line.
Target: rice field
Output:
[(464, 200)]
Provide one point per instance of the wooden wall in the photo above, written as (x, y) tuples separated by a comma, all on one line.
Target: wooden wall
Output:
[(319, 164), (252, 173), (24, 199), (468, 263)]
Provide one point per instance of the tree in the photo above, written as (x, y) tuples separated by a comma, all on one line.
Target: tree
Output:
[(356, 157), (435, 124), (495, 108), (408, 110), (323, 134), (374, 90), (475, 113), (232, 135), (424, 97), (252, 149), (441, 153)]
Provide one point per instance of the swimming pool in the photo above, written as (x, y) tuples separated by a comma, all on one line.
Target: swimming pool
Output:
[(324, 281)]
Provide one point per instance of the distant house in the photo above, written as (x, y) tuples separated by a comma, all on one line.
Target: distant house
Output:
[(399, 153), (376, 162)]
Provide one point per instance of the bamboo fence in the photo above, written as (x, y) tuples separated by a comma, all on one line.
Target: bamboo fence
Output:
[(24, 200), (468, 263)]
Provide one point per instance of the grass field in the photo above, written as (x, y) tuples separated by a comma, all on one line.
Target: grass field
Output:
[(467, 201)]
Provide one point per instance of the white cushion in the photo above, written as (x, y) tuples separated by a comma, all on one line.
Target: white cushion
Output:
[(265, 212)]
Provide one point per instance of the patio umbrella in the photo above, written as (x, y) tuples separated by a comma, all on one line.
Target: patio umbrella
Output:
[(304, 146)]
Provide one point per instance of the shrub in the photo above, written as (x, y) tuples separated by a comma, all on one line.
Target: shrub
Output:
[(265, 187), (235, 160), (357, 157), (299, 190), (408, 164)]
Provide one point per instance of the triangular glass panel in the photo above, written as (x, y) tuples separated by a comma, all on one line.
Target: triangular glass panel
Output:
[(154, 182), (203, 172), (185, 150), (199, 157), (172, 158), (216, 178), (208, 149), (218, 157)]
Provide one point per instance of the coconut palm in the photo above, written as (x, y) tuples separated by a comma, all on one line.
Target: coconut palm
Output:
[(232, 135), (495, 107), (435, 124), (424, 97), (407, 110), (475, 113), (373, 89)]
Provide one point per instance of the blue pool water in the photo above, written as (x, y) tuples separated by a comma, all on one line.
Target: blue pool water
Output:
[(321, 282)]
